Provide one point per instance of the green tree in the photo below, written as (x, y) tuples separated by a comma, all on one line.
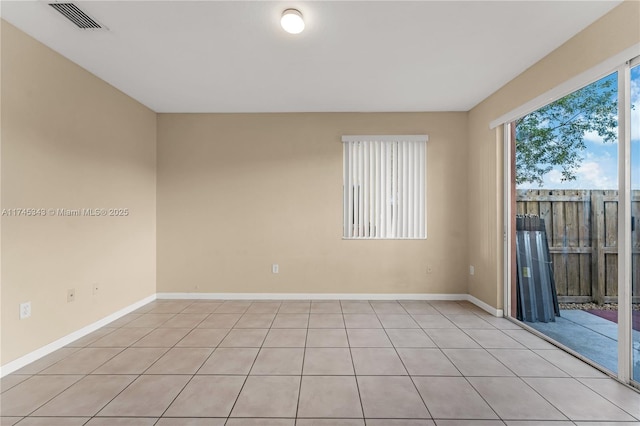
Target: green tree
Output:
[(553, 136)]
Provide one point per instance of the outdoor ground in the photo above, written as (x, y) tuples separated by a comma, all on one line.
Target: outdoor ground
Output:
[(591, 335)]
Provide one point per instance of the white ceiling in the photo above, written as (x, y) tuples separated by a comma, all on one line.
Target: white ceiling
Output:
[(232, 56)]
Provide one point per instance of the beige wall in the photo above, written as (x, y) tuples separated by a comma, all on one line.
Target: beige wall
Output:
[(69, 140), (614, 32), (238, 192)]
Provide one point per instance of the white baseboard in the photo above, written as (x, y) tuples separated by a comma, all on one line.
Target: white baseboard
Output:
[(311, 296), (485, 306), (63, 341), (332, 296)]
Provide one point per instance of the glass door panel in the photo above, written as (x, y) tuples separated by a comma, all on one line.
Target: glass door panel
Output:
[(565, 283)]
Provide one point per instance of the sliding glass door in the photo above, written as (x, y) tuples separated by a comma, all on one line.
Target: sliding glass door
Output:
[(566, 221), (573, 261)]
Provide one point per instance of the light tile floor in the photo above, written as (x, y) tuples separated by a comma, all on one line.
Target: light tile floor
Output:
[(313, 363)]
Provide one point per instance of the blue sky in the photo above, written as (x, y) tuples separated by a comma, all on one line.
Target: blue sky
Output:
[(599, 168)]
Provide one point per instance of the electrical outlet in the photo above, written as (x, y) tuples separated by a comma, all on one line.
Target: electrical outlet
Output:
[(71, 295), (96, 289), (25, 310), (275, 269), (472, 270)]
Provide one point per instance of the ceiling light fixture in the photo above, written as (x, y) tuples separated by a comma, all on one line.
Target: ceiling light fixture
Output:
[(292, 21)]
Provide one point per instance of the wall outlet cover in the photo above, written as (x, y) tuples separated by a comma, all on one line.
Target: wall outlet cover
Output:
[(25, 310)]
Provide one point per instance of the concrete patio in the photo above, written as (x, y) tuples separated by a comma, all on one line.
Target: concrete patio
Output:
[(591, 336)]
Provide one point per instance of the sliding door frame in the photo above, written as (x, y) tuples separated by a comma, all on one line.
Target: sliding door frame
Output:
[(625, 323), (624, 224), (625, 359)]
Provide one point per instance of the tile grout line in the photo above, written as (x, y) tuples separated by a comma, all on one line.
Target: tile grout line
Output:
[(466, 378), (535, 391), (353, 365), (251, 368), (304, 354), (53, 397), (94, 340), (198, 369), (130, 383), (77, 349), (578, 379), (72, 384), (141, 374), (144, 371), (401, 361)]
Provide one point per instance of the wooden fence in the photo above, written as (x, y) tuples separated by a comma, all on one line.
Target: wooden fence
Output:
[(582, 230)]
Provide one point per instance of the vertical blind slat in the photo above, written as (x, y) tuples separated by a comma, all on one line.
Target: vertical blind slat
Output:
[(423, 190), (398, 194), (401, 183), (361, 190), (410, 190), (365, 190), (405, 191), (356, 192), (419, 188), (377, 191), (346, 190), (388, 195), (414, 190), (372, 187), (394, 190), (383, 191)]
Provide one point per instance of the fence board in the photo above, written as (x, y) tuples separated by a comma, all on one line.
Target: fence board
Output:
[(611, 224), (571, 225), (597, 241), (584, 241), (545, 213), (611, 288), (611, 243), (573, 274), (560, 273), (585, 275), (557, 214), (582, 228)]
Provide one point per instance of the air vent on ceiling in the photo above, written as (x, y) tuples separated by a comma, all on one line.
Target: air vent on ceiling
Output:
[(76, 15)]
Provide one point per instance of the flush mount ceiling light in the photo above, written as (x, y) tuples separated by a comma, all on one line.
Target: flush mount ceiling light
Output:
[(292, 21)]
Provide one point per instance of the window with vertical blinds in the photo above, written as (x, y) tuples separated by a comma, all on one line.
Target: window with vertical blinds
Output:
[(385, 187)]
